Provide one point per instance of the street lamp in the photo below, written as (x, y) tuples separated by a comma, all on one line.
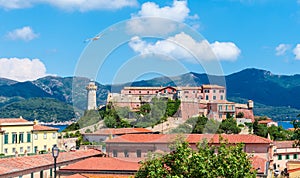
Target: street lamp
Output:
[(55, 153)]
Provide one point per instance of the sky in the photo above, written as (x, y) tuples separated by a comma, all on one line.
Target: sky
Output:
[(115, 41)]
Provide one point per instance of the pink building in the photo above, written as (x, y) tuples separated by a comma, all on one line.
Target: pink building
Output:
[(207, 100)]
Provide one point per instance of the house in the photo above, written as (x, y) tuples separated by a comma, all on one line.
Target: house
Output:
[(19, 136), (41, 165), (200, 100), (138, 145), (102, 167), (108, 133), (284, 151)]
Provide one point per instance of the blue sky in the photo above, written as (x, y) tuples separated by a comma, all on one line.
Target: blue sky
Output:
[(46, 37)]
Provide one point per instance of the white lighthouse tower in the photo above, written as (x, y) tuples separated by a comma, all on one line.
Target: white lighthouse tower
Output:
[(91, 96)]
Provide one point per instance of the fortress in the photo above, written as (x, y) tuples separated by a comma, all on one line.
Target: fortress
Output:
[(207, 100)]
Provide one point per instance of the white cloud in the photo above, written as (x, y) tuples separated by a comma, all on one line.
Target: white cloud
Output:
[(81, 5), (225, 50), (183, 46), (178, 11), (281, 49), (152, 19), (21, 69), (25, 33), (296, 52)]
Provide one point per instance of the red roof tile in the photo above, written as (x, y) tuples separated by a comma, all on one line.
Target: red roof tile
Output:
[(259, 164), (120, 131), (104, 164), (16, 164), (191, 138), (284, 144), (43, 128), (13, 120)]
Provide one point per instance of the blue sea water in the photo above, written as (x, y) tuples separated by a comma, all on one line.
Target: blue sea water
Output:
[(285, 124), (60, 127)]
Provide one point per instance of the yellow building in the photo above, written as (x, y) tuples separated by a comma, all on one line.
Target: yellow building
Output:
[(19, 136)]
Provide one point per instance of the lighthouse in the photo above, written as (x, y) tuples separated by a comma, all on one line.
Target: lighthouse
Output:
[(91, 96)]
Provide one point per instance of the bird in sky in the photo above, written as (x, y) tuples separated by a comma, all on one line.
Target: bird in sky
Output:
[(94, 38)]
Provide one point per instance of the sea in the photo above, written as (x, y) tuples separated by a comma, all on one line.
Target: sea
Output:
[(60, 127), (285, 124)]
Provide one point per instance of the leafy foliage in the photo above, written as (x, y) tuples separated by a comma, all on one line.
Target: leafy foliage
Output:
[(231, 161), (42, 109)]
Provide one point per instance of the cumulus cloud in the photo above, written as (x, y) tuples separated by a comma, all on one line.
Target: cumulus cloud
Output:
[(183, 46), (25, 33), (21, 69), (81, 5), (281, 49), (296, 52), (149, 19)]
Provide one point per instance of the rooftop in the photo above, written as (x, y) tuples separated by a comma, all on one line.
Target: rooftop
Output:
[(119, 131), (4, 121), (191, 138), (284, 144), (103, 164), (18, 164), (44, 128)]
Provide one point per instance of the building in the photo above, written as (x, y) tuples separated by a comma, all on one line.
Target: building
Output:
[(91, 96), (19, 136), (284, 151), (102, 167), (138, 145), (41, 165), (207, 100), (102, 135)]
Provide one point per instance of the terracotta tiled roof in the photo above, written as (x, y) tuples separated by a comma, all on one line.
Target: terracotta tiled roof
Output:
[(17, 164), (120, 131), (43, 128), (259, 164), (231, 138), (75, 176), (191, 138), (213, 86), (12, 120), (104, 164), (284, 144), (265, 121)]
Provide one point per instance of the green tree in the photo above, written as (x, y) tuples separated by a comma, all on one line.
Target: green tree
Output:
[(229, 126), (231, 161)]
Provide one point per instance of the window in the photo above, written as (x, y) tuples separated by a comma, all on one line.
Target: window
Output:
[(287, 156), (53, 135), (45, 135), (140, 92), (5, 150), (220, 116), (35, 136), (206, 97), (115, 153), (21, 150), (21, 137), (206, 91), (35, 149), (279, 157), (45, 147), (28, 137), (14, 150), (221, 91), (14, 137), (214, 91), (129, 91), (221, 97), (220, 107), (6, 138), (295, 156), (214, 97), (148, 92), (138, 153), (126, 153), (226, 107), (28, 149)]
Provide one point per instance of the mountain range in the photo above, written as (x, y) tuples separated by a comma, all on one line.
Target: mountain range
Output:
[(64, 98)]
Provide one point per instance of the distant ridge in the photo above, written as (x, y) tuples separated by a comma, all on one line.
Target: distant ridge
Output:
[(274, 95)]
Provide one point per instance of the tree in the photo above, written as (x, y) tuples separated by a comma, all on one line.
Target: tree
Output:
[(231, 161), (240, 115), (229, 126)]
